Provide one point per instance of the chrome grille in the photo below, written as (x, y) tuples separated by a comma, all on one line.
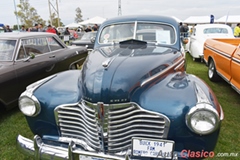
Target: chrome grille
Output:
[(113, 133), (78, 121)]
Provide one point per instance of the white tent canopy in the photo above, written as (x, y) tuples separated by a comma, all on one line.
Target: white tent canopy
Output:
[(197, 19), (94, 20), (229, 19), (73, 25)]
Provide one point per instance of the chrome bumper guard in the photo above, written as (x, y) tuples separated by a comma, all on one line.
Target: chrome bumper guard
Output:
[(39, 150)]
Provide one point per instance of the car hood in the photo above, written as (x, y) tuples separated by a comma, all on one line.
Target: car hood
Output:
[(114, 73)]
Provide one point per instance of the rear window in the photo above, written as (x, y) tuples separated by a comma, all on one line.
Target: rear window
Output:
[(215, 30)]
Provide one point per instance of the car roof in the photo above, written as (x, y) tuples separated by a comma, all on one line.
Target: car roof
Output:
[(154, 18), (212, 26), (17, 35)]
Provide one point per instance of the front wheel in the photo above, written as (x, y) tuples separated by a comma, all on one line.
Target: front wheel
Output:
[(212, 73)]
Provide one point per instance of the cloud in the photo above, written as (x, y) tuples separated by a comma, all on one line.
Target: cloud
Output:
[(181, 9)]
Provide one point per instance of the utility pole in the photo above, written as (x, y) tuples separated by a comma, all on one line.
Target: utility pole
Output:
[(16, 14), (53, 9), (119, 8)]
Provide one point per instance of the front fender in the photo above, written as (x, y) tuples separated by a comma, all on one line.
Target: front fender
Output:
[(173, 96), (63, 88)]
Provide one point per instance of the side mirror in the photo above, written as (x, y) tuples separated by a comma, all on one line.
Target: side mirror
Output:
[(31, 56)]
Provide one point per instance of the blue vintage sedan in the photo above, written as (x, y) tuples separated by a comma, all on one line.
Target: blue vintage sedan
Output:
[(132, 99)]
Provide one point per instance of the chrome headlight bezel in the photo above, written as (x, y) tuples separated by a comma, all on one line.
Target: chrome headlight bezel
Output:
[(29, 105), (198, 111)]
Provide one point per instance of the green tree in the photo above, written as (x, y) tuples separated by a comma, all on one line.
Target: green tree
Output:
[(15, 27), (55, 20), (27, 14), (78, 17)]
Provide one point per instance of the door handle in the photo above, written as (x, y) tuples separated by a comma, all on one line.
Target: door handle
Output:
[(52, 56)]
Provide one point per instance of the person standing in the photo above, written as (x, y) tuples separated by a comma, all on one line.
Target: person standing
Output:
[(56, 30), (66, 36), (95, 27), (40, 28), (88, 29), (7, 29), (237, 30), (181, 28), (50, 29), (186, 29), (35, 28), (23, 29)]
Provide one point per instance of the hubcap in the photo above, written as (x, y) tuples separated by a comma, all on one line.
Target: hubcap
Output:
[(211, 70)]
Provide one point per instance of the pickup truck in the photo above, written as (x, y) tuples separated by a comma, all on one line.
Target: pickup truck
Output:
[(222, 56)]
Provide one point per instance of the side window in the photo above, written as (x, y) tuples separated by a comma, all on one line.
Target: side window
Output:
[(36, 46), (7, 49), (54, 44), (22, 54)]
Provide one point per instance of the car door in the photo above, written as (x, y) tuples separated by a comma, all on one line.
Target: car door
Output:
[(235, 69), (33, 62), (66, 57), (8, 79)]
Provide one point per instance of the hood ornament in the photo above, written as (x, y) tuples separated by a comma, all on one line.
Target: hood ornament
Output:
[(106, 63)]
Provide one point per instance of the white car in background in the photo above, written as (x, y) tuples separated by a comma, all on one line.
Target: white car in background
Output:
[(201, 32)]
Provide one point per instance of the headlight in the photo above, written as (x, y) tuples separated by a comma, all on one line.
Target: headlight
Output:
[(29, 106), (202, 119)]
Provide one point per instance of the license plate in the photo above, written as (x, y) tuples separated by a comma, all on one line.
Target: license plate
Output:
[(144, 147)]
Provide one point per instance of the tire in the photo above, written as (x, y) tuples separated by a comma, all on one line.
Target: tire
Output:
[(73, 67), (212, 73)]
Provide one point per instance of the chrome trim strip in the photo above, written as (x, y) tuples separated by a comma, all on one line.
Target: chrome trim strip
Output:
[(235, 88), (76, 62), (218, 51), (179, 66), (32, 87), (221, 113), (161, 73), (201, 96), (236, 60), (223, 77)]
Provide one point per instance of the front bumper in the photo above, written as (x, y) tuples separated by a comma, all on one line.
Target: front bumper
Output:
[(39, 150)]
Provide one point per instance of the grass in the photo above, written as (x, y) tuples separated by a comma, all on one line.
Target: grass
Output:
[(13, 122)]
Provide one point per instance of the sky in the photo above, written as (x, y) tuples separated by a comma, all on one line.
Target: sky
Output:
[(181, 9)]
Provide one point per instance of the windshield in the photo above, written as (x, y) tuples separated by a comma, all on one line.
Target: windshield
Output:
[(7, 49), (88, 35), (150, 32)]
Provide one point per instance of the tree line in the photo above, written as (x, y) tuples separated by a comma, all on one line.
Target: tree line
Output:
[(28, 16)]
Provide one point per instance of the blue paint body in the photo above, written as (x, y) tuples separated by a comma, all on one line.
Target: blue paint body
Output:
[(172, 95)]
